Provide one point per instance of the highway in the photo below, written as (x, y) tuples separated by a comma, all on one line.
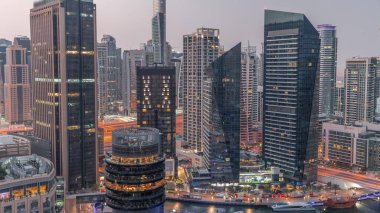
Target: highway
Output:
[(360, 179)]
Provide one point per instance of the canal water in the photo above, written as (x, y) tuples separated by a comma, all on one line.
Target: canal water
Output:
[(181, 207)]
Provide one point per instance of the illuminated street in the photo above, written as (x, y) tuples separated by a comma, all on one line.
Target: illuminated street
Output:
[(362, 181)]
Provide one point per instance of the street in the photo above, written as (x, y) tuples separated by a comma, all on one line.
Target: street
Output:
[(361, 180)]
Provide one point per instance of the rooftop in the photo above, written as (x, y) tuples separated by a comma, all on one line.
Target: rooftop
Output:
[(136, 137), (6, 139), (25, 167)]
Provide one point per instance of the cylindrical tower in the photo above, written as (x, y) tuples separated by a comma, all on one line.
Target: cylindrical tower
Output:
[(135, 171)]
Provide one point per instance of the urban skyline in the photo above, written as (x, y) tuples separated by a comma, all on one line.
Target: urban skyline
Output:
[(229, 121), (353, 43)]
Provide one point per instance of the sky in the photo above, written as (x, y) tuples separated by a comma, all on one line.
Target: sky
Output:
[(129, 21)]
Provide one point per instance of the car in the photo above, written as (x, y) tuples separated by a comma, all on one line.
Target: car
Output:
[(219, 195)]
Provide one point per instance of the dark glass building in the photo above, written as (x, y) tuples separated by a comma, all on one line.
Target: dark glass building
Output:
[(135, 171), (63, 36), (291, 57), (221, 117), (156, 98)]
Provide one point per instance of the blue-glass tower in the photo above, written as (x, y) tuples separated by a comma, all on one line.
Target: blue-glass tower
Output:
[(221, 117), (291, 57)]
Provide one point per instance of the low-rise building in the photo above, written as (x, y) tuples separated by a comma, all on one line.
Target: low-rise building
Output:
[(20, 145), (28, 184), (356, 146)]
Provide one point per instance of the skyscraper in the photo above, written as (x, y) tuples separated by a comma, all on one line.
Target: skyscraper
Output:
[(131, 60), (339, 102), (135, 178), (63, 35), (200, 49), (359, 83), (248, 95), (221, 117), (291, 53), (17, 87), (156, 98), (327, 70), (108, 76), (3, 46), (24, 42), (159, 32)]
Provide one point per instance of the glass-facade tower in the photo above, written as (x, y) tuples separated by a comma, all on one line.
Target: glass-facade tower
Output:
[(291, 54), (63, 36), (221, 117), (109, 75), (159, 31), (327, 68), (156, 107)]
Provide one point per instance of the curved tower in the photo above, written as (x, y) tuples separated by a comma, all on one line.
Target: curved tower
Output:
[(135, 171)]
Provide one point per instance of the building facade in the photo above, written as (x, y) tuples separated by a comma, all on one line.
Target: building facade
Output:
[(135, 177), (24, 42), (339, 102), (29, 185), (17, 87), (359, 83), (13, 146), (131, 60), (156, 108), (109, 72), (352, 147), (249, 95), (159, 32), (200, 49), (4, 44), (221, 117), (327, 68), (64, 73), (291, 54)]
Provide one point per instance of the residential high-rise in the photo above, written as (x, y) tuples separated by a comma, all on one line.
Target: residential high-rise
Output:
[(177, 63), (24, 42), (17, 87), (108, 76), (156, 107), (339, 102), (359, 82), (159, 32), (327, 68), (131, 60), (63, 35), (135, 177), (3, 47), (221, 117), (377, 88), (200, 49), (248, 95), (291, 54)]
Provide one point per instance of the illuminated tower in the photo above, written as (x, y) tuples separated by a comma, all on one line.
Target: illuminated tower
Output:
[(291, 56), (135, 172), (327, 68), (200, 49), (63, 35)]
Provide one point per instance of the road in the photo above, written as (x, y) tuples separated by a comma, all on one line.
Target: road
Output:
[(362, 180)]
